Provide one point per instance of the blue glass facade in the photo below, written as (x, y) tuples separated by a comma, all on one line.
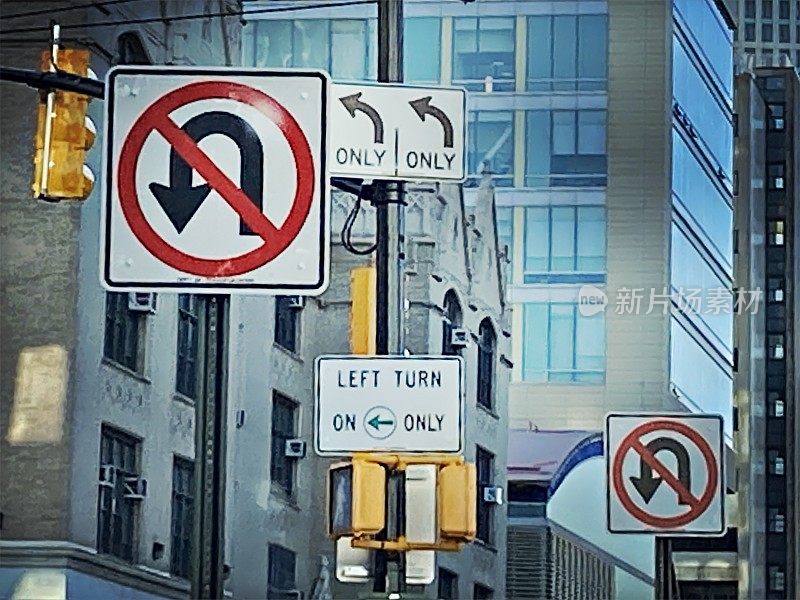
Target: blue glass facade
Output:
[(701, 335)]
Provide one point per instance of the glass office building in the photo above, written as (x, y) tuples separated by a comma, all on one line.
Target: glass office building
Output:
[(651, 211)]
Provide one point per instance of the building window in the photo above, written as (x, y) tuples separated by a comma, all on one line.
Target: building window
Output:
[(783, 9), (564, 239), (283, 428), (750, 9), (186, 372), (776, 463), (766, 9), (567, 52), (287, 322), (565, 148), (452, 319), (491, 146), (775, 289), (343, 47), (422, 40), (749, 32), (117, 511), (561, 345), (505, 238), (122, 331), (776, 117), (766, 32), (484, 465), (182, 516), (484, 47), (775, 173), (280, 578), (776, 233), (481, 592), (447, 585), (783, 33), (776, 407), (776, 521), (487, 349), (777, 579)]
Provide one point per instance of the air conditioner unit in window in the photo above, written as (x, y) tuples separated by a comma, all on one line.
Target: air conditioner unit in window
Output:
[(142, 302), (493, 494), (108, 475), (135, 488), (295, 449), (297, 302), (459, 338)]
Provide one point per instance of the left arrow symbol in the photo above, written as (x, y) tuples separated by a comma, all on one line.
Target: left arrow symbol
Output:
[(423, 106), (376, 422), (353, 103)]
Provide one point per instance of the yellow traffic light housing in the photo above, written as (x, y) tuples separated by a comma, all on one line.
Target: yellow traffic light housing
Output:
[(356, 498), (458, 494), (362, 310), (63, 135)]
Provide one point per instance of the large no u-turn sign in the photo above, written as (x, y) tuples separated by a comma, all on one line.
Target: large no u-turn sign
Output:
[(665, 474), (216, 180)]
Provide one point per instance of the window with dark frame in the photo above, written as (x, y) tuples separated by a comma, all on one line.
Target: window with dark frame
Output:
[(484, 465), (280, 576), (484, 47), (182, 516), (776, 116), (775, 176), (186, 371), (117, 515), (122, 331), (487, 349), (482, 592), (452, 319), (446, 585), (287, 322), (281, 468)]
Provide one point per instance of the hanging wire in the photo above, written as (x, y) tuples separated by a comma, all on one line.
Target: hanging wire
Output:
[(59, 11), (232, 13), (347, 230)]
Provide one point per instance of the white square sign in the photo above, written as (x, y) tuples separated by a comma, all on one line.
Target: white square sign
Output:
[(388, 404), (216, 181), (665, 474), (403, 132)]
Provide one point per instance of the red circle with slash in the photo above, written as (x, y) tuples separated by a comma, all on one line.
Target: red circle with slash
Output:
[(156, 118), (697, 506)]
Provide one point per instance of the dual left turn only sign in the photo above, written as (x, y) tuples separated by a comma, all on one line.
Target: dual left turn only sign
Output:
[(217, 180)]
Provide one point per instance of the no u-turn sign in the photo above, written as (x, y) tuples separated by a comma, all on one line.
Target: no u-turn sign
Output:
[(665, 474), (216, 180)]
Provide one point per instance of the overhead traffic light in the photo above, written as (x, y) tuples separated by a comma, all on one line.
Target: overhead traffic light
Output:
[(63, 135), (458, 493), (356, 498)]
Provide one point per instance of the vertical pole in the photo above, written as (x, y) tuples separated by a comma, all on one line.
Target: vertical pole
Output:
[(208, 541), (389, 257)]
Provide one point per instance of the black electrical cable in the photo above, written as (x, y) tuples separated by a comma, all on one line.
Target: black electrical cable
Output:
[(347, 231), (233, 13), (56, 12)]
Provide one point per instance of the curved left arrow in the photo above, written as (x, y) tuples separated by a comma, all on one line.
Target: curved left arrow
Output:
[(180, 200), (353, 103)]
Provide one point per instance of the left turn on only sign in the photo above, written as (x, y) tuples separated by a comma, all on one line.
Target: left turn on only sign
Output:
[(216, 181)]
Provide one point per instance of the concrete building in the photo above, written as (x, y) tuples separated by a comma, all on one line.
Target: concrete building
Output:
[(768, 169), (768, 33), (88, 383)]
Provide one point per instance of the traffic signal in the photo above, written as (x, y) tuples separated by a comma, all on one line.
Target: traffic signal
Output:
[(362, 310), (458, 493), (356, 498), (63, 135)]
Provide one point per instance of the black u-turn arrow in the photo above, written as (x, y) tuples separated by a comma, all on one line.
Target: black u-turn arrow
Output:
[(422, 106), (647, 485), (180, 200), (353, 103)]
